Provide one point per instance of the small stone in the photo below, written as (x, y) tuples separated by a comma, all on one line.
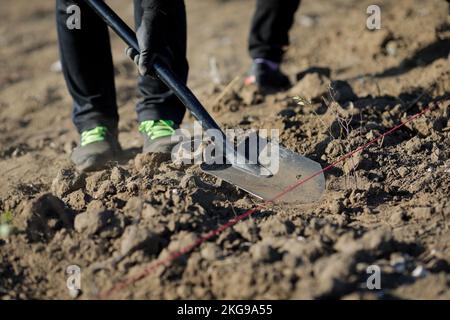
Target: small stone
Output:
[(38, 215), (136, 238), (95, 205), (74, 293), (150, 162), (76, 200), (377, 240), (264, 252), (419, 272)]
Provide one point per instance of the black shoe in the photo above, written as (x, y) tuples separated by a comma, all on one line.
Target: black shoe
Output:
[(98, 146), (268, 78)]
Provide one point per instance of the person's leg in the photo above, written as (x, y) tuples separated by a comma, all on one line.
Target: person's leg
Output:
[(269, 33), (158, 102), (87, 67), (88, 70), (269, 37)]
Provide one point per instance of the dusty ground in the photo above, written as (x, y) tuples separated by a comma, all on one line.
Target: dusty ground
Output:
[(388, 207)]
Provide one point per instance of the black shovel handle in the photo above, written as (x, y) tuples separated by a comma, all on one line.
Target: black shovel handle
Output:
[(170, 79)]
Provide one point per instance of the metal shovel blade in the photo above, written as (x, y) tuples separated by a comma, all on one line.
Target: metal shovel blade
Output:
[(292, 168)]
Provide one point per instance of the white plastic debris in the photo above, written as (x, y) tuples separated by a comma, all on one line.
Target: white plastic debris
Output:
[(419, 272)]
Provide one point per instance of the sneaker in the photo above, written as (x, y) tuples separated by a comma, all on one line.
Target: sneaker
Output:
[(98, 146), (158, 135), (267, 76)]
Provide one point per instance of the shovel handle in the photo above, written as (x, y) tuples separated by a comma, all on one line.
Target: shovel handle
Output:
[(172, 81), (162, 71)]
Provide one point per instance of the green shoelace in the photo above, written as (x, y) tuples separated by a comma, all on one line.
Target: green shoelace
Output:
[(93, 135), (157, 128)]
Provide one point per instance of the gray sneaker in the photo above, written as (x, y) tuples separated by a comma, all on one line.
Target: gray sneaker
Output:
[(158, 135), (98, 146)]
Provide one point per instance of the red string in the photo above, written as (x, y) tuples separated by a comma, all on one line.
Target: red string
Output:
[(232, 222)]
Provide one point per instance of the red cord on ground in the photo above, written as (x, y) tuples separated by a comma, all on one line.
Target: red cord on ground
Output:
[(175, 255)]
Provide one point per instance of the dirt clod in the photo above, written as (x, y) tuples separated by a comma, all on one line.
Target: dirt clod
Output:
[(137, 219), (67, 181), (422, 212), (136, 238), (95, 219), (148, 164), (134, 207)]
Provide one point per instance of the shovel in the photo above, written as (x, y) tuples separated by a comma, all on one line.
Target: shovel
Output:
[(258, 179)]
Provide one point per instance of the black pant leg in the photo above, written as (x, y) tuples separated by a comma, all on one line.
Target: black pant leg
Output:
[(269, 33), (87, 67), (158, 101)]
